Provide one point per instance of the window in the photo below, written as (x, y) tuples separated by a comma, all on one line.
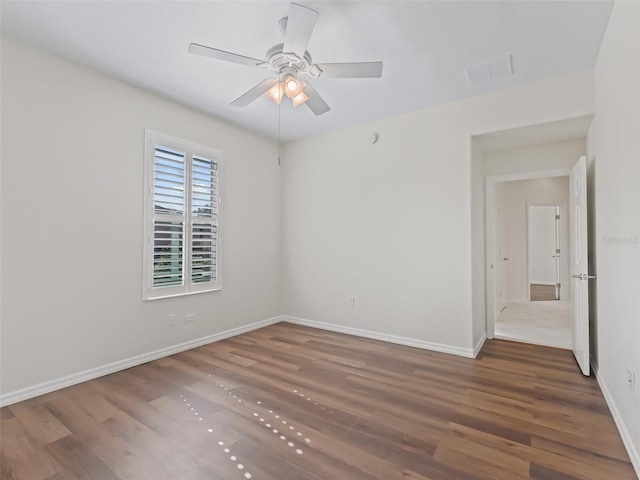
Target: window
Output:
[(182, 217)]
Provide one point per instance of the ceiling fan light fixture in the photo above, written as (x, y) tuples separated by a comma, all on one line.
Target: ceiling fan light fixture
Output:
[(299, 99), (275, 93), (293, 87)]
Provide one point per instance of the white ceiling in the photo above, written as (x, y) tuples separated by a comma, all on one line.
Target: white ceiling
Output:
[(425, 46)]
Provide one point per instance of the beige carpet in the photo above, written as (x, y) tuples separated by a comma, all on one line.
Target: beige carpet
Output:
[(542, 323)]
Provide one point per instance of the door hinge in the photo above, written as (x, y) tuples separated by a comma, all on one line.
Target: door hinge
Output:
[(557, 217)]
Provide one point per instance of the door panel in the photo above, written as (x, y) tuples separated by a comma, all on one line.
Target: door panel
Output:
[(501, 258), (579, 264)]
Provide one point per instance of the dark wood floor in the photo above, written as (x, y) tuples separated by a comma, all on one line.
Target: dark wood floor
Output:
[(289, 402), (541, 293)]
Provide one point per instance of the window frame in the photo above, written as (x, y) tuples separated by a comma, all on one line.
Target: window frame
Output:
[(191, 150)]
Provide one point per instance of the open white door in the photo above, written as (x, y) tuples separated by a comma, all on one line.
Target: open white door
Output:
[(579, 265), (500, 261)]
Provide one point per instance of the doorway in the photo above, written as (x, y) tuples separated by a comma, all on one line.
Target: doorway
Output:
[(543, 252), (528, 222)]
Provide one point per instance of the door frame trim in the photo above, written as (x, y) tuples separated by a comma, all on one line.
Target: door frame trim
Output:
[(490, 183)]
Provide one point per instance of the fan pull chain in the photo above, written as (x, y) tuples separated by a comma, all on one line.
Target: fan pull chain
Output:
[(279, 127)]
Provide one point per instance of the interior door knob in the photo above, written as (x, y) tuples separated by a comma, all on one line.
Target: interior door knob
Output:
[(583, 276)]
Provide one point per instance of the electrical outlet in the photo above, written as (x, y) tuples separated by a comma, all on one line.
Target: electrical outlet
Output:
[(172, 319), (631, 380), (352, 300), (189, 317)]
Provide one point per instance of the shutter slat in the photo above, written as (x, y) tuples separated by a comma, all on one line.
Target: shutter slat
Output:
[(170, 155), (169, 174), (176, 187), (168, 198)]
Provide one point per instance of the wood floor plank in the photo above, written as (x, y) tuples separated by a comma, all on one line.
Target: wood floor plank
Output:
[(76, 459), (88, 398), (296, 403), (473, 465), (21, 457), (40, 424), (504, 462), (542, 473), (602, 465), (540, 292), (82, 426)]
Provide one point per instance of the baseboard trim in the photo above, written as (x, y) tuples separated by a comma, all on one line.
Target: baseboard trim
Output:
[(385, 337), (478, 346), (632, 449), (73, 379)]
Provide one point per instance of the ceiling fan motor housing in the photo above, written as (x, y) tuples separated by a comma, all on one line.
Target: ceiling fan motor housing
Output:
[(278, 60)]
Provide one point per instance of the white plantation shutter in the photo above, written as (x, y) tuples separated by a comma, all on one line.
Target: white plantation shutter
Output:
[(168, 221), (182, 230), (204, 225)]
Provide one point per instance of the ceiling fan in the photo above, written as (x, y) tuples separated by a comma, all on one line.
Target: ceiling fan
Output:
[(290, 60)]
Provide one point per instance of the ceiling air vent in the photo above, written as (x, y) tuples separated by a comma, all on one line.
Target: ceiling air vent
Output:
[(502, 67)]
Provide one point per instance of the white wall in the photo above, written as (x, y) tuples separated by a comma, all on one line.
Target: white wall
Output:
[(534, 158), (391, 223), (614, 143), (478, 236), (72, 206), (513, 198)]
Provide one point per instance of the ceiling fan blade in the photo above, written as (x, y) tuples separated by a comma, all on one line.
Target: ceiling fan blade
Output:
[(300, 23), (254, 93), (315, 103), (351, 70), (204, 51)]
